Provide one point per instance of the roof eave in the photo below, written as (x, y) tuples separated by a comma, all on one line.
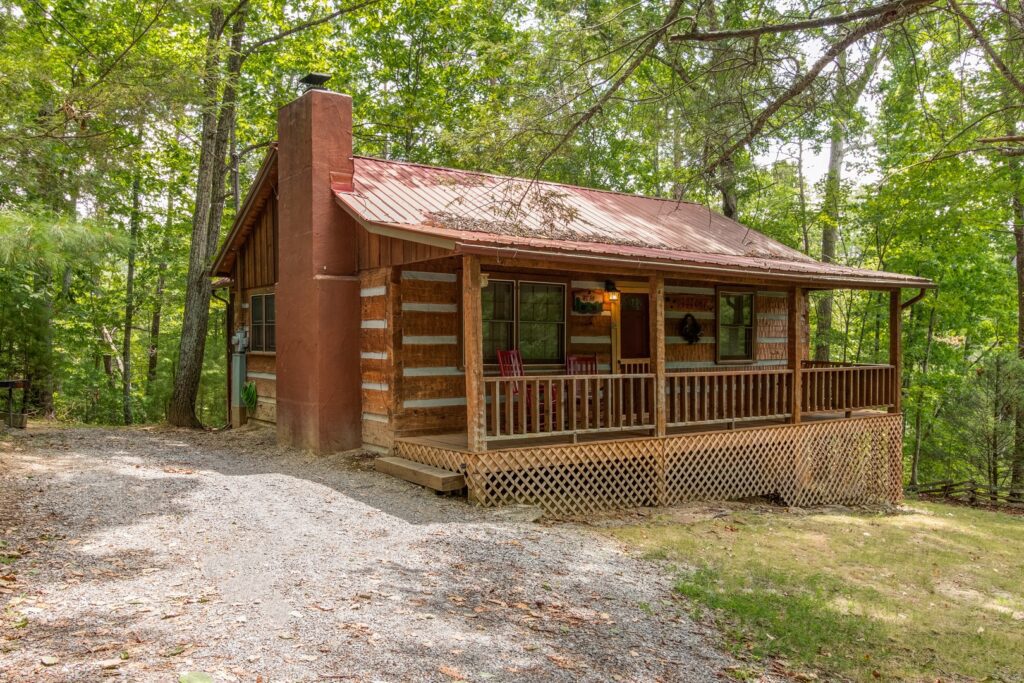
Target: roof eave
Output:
[(869, 279), (249, 205), (687, 267)]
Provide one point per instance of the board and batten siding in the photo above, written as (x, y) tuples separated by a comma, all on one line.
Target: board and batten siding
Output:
[(377, 251), (256, 265), (255, 272)]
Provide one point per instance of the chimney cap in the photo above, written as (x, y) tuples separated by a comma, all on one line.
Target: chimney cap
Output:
[(314, 80)]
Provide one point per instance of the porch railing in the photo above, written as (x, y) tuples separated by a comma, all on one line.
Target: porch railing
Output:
[(729, 396), (830, 387), (559, 405), (633, 366), (564, 405)]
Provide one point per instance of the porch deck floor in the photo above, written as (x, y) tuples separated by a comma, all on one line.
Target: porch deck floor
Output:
[(456, 441)]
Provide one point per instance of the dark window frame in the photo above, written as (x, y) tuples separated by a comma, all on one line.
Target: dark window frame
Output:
[(259, 340), (563, 325), (515, 315), (734, 291), (517, 281)]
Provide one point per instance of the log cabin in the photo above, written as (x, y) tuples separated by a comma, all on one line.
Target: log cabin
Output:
[(654, 350)]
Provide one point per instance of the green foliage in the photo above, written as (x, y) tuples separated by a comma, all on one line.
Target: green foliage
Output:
[(46, 265), (101, 97), (976, 440), (249, 397)]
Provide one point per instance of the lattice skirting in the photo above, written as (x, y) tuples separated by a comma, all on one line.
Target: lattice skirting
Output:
[(852, 461), (446, 459)]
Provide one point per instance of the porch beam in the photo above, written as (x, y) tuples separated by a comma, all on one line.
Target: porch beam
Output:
[(895, 350), (519, 259), (473, 350), (794, 335), (657, 347)]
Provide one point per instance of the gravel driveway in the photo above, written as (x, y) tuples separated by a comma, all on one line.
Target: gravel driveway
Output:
[(138, 554)]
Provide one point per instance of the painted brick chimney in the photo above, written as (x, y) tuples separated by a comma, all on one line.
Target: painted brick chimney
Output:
[(318, 381)]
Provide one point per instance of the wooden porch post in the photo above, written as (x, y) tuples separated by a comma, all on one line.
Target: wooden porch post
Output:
[(657, 319), (794, 335), (473, 349), (895, 352)]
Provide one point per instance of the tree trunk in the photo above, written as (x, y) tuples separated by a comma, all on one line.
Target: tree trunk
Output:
[(915, 459), (677, 157), (830, 234), (218, 120), (845, 99), (39, 361), (726, 184), (129, 304), (830, 207), (112, 358), (804, 227), (1017, 463), (158, 296), (1012, 56)]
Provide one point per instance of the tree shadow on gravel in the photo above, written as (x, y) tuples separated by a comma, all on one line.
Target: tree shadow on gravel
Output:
[(246, 452), (254, 452)]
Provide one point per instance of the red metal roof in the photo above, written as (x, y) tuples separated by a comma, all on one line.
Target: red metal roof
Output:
[(488, 213)]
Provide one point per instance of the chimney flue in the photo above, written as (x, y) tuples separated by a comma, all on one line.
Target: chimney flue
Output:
[(315, 81)]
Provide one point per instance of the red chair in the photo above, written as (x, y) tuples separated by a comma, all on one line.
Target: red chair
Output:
[(510, 364), (585, 365), (581, 365)]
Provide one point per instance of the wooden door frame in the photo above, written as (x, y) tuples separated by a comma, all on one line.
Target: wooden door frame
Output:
[(617, 324)]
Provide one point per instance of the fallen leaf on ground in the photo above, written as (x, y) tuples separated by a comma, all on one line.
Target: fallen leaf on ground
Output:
[(452, 673)]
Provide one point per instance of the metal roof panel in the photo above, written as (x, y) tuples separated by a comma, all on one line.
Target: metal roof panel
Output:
[(481, 209)]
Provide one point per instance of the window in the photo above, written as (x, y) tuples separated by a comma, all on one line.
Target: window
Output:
[(262, 336), (498, 301), (541, 322), (736, 335), (533, 321)]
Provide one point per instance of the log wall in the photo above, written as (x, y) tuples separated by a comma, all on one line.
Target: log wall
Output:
[(591, 334), (430, 372), (682, 298), (376, 355)]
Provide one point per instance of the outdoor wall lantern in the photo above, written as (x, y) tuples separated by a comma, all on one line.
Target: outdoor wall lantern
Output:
[(611, 292)]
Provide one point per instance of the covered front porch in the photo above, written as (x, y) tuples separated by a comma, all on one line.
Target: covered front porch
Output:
[(643, 427), (642, 394)]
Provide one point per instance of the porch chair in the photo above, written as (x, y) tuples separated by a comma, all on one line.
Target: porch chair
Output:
[(510, 364), (584, 365), (581, 365)]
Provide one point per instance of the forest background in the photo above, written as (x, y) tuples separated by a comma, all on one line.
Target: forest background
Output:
[(880, 135)]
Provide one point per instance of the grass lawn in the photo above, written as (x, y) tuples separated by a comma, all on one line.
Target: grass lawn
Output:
[(934, 594)]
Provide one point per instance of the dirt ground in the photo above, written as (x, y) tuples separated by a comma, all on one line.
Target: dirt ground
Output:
[(140, 554)]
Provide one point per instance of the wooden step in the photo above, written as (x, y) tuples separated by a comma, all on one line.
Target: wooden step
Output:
[(418, 473)]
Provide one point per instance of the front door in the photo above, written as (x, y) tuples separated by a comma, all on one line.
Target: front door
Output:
[(634, 326)]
